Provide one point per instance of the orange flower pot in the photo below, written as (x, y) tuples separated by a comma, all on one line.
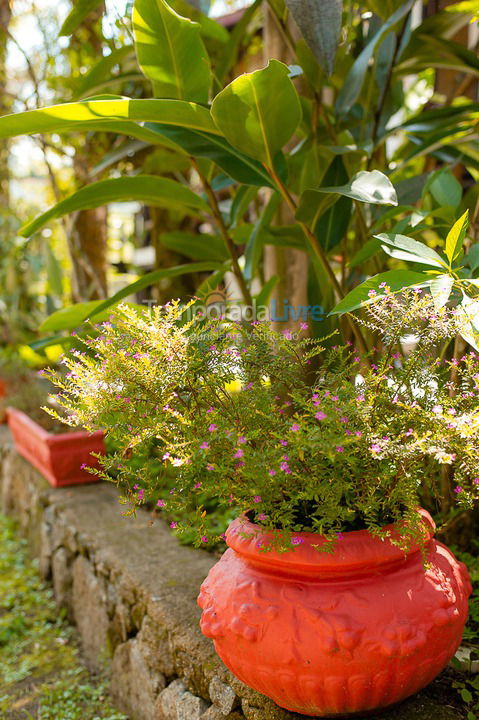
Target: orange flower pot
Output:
[(331, 634), (59, 457)]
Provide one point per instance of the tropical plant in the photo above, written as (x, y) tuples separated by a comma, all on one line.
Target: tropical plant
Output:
[(302, 172)]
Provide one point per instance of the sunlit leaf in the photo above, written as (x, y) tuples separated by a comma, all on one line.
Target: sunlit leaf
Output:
[(249, 118), (369, 290), (455, 237), (171, 52), (148, 189)]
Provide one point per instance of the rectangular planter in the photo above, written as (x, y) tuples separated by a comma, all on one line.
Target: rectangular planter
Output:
[(58, 457)]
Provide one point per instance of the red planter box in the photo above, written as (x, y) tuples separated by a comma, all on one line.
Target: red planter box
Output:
[(58, 457)]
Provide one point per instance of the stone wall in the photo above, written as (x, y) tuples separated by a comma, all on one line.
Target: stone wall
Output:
[(131, 590)]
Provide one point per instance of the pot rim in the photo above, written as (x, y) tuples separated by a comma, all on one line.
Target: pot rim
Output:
[(358, 551)]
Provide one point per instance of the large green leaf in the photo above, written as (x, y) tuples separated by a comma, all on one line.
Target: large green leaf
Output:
[(353, 83), (445, 189), (80, 10), (152, 278), (70, 317), (148, 189), (402, 247), (210, 29), (171, 52), (320, 24), (236, 164), (396, 280), (197, 246), (333, 223), (91, 114), (259, 111)]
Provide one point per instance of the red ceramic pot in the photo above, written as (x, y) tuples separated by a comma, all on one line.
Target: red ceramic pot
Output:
[(334, 634), (3, 395), (58, 457)]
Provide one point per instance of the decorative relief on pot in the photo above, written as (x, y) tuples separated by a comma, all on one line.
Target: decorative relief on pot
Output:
[(321, 639)]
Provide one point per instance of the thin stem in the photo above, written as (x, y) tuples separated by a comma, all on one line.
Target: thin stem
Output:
[(228, 241), (319, 252)]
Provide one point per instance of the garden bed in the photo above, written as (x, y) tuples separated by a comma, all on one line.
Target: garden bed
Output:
[(131, 590)]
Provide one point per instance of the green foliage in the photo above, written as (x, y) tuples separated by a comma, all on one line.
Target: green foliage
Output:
[(320, 24), (41, 676), (149, 189), (244, 113), (446, 278), (241, 419), (333, 148), (171, 52)]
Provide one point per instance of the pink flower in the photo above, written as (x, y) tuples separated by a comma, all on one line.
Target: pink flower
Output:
[(83, 466), (357, 359), (284, 443), (340, 536), (272, 472), (358, 433), (204, 445), (303, 326), (210, 409), (262, 517), (294, 427), (161, 503), (287, 334), (257, 499), (166, 456), (360, 398), (239, 453), (173, 525), (320, 415), (375, 448), (476, 481), (344, 419), (296, 540), (197, 485), (210, 467), (204, 539), (334, 398), (339, 448), (212, 427), (242, 439), (285, 468), (458, 489)]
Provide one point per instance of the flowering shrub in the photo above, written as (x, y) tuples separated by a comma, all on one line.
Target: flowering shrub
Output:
[(209, 415)]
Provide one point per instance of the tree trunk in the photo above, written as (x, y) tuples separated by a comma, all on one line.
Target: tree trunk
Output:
[(89, 239), (5, 107), (290, 265)]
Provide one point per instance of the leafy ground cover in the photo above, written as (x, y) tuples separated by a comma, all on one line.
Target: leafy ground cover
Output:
[(41, 673)]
